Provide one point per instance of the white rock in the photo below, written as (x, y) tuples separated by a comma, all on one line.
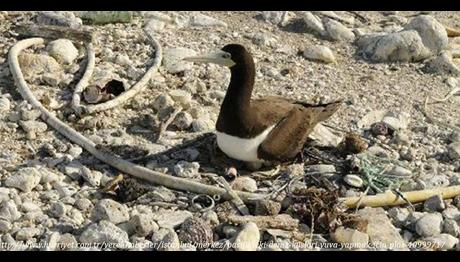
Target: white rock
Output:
[(186, 169), (182, 121), (51, 241), (75, 151), (404, 46), (323, 136), (201, 125), (165, 239), (58, 209), (454, 150), (319, 53), (321, 168), (5, 226), (63, 51), (25, 179), (26, 233), (399, 216), (313, 23), (451, 213), (248, 238), (443, 241), (83, 204), (274, 17), (451, 227), (172, 59), (59, 18), (171, 219), (155, 25), (162, 102), (350, 236), (33, 65), (143, 224), (432, 33), (92, 177), (429, 225), (181, 97), (434, 204), (157, 15), (442, 64), (28, 206), (105, 232), (263, 39), (200, 20), (244, 183), (337, 31), (5, 104), (33, 126), (107, 209), (353, 180)]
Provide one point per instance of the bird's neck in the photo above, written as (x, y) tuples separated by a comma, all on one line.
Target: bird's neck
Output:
[(239, 91)]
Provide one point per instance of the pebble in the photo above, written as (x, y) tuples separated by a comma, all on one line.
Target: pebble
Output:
[(188, 154), (63, 51), (172, 59), (353, 180), (319, 53), (429, 225), (434, 204), (321, 169), (248, 238), (25, 179), (267, 208), (451, 213), (337, 31), (457, 201), (453, 151), (274, 17), (171, 219), (443, 241), (143, 224), (211, 217), (442, 64), (59, 18), (202, 125), (263, 39), (451, 227), (165, 239), (27, 233), (181, 97), (33, 65), (5, 226), (182, 121), (5, 104), (200, 20), (244, 183), (28, 206), (313, 23), (83, 204), (93, 178), (154, 25), (75, 151), (432, 33), (162, 102), (108, 209), (350, 236), (104, 232), (186, 169), (196, 231), (58, 209), (32, 126)]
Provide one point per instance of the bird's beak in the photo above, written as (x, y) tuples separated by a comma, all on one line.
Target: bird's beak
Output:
[(218, 58)]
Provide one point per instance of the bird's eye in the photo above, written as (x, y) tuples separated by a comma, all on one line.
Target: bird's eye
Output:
[(226, 56)]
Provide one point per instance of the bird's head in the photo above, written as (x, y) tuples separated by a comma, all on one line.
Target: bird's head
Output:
[(229, 56)]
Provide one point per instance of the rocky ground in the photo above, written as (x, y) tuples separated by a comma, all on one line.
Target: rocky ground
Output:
[(54, 195)]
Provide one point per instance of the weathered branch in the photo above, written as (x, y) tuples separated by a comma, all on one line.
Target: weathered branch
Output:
[(83, 83), (109, 158), (55, 32), (391, 199)]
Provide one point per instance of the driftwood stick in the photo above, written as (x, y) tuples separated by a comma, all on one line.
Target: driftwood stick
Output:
[(55, 32), (282, 221), (107, 157), (452, 32), (391, 199), (135, 89), (164, 125), (83, 83)]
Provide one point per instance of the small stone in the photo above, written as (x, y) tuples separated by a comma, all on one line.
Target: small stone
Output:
[(267, 208), (75, 151), (197, 232), (442, 64), (353, 180), (399, 171), (165, 239), (313, 23), (27, 233), (432, 33), (394, 123), (186, 169), (83, 204), (59, 18), (451, 213), (25, 179), (211, 217), (350, 236), (108, 209), (274, 17), (202, 125), (248, 238), (63, 51), (429, 225), (244, 183), (442, 241), (171, 219), (399, 216), (451, 227), (5, 104), (434, 204), (34, 65), (454, 151), (105, 232), (321, 169), (182, 121), (5, 226), (93, 178), (181, 97), (263, 39), (337, 31), (51, 240), (33, 126), (154, 25), (143, 224), (28, 206), (457, 201), (319, 53), (172, 59), (201, 20), (162, 102), (58, 209)]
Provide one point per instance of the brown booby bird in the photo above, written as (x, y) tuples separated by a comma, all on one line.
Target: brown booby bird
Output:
[(264, 130)]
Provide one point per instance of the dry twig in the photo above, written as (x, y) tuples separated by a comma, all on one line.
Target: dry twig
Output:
[(236, 200)]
